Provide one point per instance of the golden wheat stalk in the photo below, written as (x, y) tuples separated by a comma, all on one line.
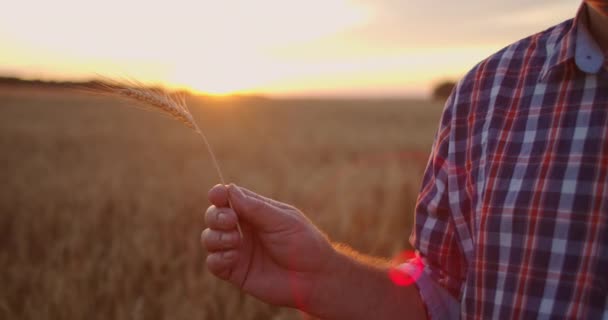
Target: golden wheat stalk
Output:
[(171, 104)]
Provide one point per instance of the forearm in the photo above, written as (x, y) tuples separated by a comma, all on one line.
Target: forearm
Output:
[(358, 287)]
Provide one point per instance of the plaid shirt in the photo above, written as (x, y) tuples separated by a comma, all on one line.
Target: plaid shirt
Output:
[(512, 216)]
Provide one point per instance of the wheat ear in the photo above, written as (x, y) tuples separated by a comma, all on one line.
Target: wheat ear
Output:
[(173, 105)]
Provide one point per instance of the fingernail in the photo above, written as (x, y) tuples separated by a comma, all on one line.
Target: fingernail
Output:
[(237, 191), (222, 218)]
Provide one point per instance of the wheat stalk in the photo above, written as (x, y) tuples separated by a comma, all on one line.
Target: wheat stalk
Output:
[(173, 105)]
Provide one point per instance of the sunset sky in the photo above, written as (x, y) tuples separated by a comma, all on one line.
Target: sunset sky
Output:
[(274, 47)]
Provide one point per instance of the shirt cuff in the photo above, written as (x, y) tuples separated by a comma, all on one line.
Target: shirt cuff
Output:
[(440, 304)]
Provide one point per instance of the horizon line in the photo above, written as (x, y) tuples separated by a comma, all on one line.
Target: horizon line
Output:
[(12, 79)]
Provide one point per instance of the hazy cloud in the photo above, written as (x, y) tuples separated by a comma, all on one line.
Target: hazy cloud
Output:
[(399, 23)]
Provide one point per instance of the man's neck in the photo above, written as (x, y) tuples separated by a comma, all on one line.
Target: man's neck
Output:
[(598, 25)]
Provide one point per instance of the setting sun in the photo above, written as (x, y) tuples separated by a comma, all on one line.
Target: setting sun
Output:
[(274, 47)]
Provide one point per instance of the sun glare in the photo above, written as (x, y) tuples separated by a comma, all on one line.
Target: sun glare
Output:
[(234, 55), (217, 47), (273, 47)]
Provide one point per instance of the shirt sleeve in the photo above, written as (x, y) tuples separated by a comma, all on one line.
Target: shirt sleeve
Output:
[(434, 235), (440, 304)]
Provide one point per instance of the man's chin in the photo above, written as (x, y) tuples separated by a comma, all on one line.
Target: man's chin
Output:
[(601, 6)]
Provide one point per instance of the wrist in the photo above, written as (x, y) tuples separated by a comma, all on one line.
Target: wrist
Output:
[(329, 284), (354, 286), (348, 285)]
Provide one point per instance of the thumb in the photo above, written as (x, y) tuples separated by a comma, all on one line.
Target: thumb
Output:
[(258, 212)]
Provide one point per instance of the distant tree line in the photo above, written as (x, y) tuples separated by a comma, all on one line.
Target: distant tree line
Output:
[(14, 81), (442, 91), (91, 84)]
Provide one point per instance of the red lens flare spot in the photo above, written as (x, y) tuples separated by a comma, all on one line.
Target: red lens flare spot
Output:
[(408, 269), (400, 278)]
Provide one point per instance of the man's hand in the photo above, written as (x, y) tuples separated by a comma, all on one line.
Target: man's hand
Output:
[(283, 259), (281, 256)]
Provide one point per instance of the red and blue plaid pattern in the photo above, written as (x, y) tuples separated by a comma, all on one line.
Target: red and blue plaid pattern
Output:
[(512, 217)]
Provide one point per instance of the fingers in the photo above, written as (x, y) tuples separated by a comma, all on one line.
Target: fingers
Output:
[(218, 196), (276, 203), (217, 240), (222, 247), (221, 263), (256, 210), (220, 218)]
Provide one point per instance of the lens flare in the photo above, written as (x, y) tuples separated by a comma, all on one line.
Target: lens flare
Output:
[(408, 269)]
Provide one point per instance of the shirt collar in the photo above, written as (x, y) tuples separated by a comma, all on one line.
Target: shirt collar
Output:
[(576, 44)]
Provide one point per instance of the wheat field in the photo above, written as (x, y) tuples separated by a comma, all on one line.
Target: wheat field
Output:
[(101, 205)]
